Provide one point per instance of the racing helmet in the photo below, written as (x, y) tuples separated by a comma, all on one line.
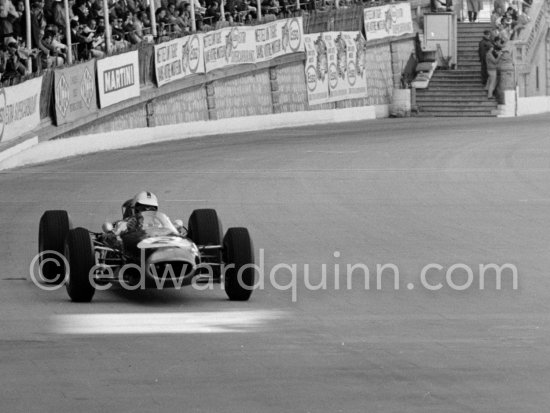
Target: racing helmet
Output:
[(145, 201)]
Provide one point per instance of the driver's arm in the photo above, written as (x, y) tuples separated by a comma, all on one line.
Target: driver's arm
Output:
[(120, 227)]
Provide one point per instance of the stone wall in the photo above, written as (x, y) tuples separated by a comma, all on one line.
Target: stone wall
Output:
[(379, 75), (189, 105), (400, 54), (278, 88), (245, 95)]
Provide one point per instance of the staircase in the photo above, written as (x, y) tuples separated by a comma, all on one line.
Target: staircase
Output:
[(454, 93)]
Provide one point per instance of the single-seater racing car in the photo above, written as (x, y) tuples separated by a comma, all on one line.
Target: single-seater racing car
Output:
[(157, 253)]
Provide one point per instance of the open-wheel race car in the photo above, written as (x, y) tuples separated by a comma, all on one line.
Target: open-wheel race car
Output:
[(157, 253)]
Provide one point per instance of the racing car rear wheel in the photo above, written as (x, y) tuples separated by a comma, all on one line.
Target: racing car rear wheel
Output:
[(205, 229), (80, 255), (53, 229), (238, 252)]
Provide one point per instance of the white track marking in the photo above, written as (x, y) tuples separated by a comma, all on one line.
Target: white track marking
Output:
[(162, 323)]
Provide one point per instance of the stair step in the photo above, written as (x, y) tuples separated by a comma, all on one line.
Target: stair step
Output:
[(452, 98), (469, 90), (455, 73), (453, 115), (472, 76), (437, 95), (458, 105), (447, 83), (473, 26), (468, 57)]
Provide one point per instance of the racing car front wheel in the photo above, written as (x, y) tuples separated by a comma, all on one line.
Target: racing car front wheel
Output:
[(53, 229), (80, 255), (238, 252), (205, 229)]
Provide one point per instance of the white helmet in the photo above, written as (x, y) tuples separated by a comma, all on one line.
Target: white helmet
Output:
[(145, 201)]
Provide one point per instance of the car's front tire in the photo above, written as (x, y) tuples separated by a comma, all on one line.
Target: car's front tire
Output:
[(53, 229), (80, 255), (205, 229), (238, 255)]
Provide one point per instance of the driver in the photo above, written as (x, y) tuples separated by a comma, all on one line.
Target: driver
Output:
[(142, 201)]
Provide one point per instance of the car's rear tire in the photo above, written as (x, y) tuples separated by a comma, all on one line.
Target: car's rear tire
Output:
[(238, 252), (205, 229), (52, 231), (80, 255)]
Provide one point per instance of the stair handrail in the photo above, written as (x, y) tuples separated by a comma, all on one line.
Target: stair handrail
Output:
[(530, 36)]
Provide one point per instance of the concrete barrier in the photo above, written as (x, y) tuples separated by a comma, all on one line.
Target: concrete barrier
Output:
[(33, 152)]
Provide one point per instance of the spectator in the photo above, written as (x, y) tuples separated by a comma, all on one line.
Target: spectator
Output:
[(141, 20), (82, 11), (6, 26), (59, 16), (496, 15), (13, 63), (117, 35), (38, 23), (213, 13), (8, 9), (523, 21), (19, 24), (271, 7), (56, 57), (493, 56), (182, 21), (499, 4), (162, 21), (484, 46), (473, 9), (129, 29), (229, 10)]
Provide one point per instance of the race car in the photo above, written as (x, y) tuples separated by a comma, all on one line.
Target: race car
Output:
[(157, 253)]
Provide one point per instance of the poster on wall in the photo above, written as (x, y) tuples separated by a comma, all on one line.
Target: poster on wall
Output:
[(74, 92), (337, 66), (356, 63), (178, 58), (316, 69), (118, 78), (229, 46), (19, 108), (388, 20), (278, 38)]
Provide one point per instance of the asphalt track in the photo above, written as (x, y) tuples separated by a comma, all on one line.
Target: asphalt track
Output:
[(406, 192)]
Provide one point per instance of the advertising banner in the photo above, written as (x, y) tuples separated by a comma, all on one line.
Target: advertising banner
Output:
[(356, 62), (278, 38), (19, 109), (316, 69), (179, 58), (389, 20), (75, 92), (229, 46), (118, 78), (337, 66)]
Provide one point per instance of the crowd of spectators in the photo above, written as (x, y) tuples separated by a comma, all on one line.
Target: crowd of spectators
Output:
[(129, 20), (506, 22)]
